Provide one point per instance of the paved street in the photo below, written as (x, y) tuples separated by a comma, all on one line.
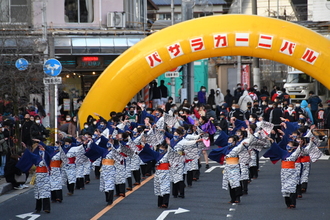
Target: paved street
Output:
[(205, 200)]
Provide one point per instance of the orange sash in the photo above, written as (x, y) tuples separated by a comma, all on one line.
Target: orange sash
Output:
[(41, 169), (55, 163), (232, 160), (108, 162), (288, 164)]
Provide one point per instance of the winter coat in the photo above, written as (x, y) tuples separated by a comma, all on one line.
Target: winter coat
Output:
[(304, 105), (243, 100), (219, 98), (38, 131), (201, 97)]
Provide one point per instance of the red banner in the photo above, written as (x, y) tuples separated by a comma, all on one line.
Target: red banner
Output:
[(245, 75)]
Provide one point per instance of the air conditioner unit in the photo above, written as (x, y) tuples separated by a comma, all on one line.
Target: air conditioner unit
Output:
[(116, 19)]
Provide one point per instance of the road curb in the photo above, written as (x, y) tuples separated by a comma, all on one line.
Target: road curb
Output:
[(5, 187)]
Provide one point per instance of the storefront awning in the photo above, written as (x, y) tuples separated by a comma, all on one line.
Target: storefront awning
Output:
[(94, 45)]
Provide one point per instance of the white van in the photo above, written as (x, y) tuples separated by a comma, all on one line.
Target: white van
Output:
[(298, 84)]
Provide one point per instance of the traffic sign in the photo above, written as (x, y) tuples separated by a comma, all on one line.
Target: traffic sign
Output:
[(172, 74), (21, 64), (52, 67), (52, 80)]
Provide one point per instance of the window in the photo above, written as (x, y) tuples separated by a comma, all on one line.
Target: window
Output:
[(79, 11), (299, 78), (135, 13), (167, 16), (14, 11)]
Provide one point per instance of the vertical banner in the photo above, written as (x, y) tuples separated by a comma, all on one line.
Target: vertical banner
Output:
[(146, 95), (245, 75), (66, 104), (75, 104)]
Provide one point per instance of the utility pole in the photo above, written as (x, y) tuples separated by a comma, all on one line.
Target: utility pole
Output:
[(46, 121), (172, 78), (255, 62), (239, 58), (187, 12), (52, 89)]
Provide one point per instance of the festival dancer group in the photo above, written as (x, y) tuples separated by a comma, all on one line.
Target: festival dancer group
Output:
[(169, 144)]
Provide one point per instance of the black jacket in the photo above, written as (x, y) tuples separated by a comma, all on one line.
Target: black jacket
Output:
[(26, 132), (38, 131)]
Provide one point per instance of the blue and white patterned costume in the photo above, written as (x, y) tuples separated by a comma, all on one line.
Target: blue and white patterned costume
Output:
[(42, 185), (69, 168), (162, 179), (289, 176), (108, 174), (56, 173), (231, 172)]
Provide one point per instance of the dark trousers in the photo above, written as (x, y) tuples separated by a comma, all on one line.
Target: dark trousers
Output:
[(70, 187), (43, 203), (196, 174), (290, 201), (97, 172), (298, 190), (150, 168), (178, 189), (80, 183), (87, 179), (120, 189), (189, 178), (163, 200), (235, 194), (257, 155), (143, 169), (244, 185), (211, 136), (137, 176), (109, 197), (56, 195), (253, 172), (293, 197), (129, 183), (304, 187)]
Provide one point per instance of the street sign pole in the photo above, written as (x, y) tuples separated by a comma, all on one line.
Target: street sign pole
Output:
[(53, 68), (173, 74), (46, 121), (173, 89), (55, 103)]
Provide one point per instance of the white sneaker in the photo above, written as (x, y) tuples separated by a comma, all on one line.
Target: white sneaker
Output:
[(25, 186), (19, 187)]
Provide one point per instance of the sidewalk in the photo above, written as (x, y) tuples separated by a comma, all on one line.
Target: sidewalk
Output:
[(7, 192)]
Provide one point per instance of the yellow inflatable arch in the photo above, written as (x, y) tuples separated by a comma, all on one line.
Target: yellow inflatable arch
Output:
[(224, 35)]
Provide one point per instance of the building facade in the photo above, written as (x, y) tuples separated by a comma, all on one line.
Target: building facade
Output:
[(84, 35)]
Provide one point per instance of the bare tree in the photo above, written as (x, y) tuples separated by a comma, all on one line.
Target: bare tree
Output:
[(18, 40)]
